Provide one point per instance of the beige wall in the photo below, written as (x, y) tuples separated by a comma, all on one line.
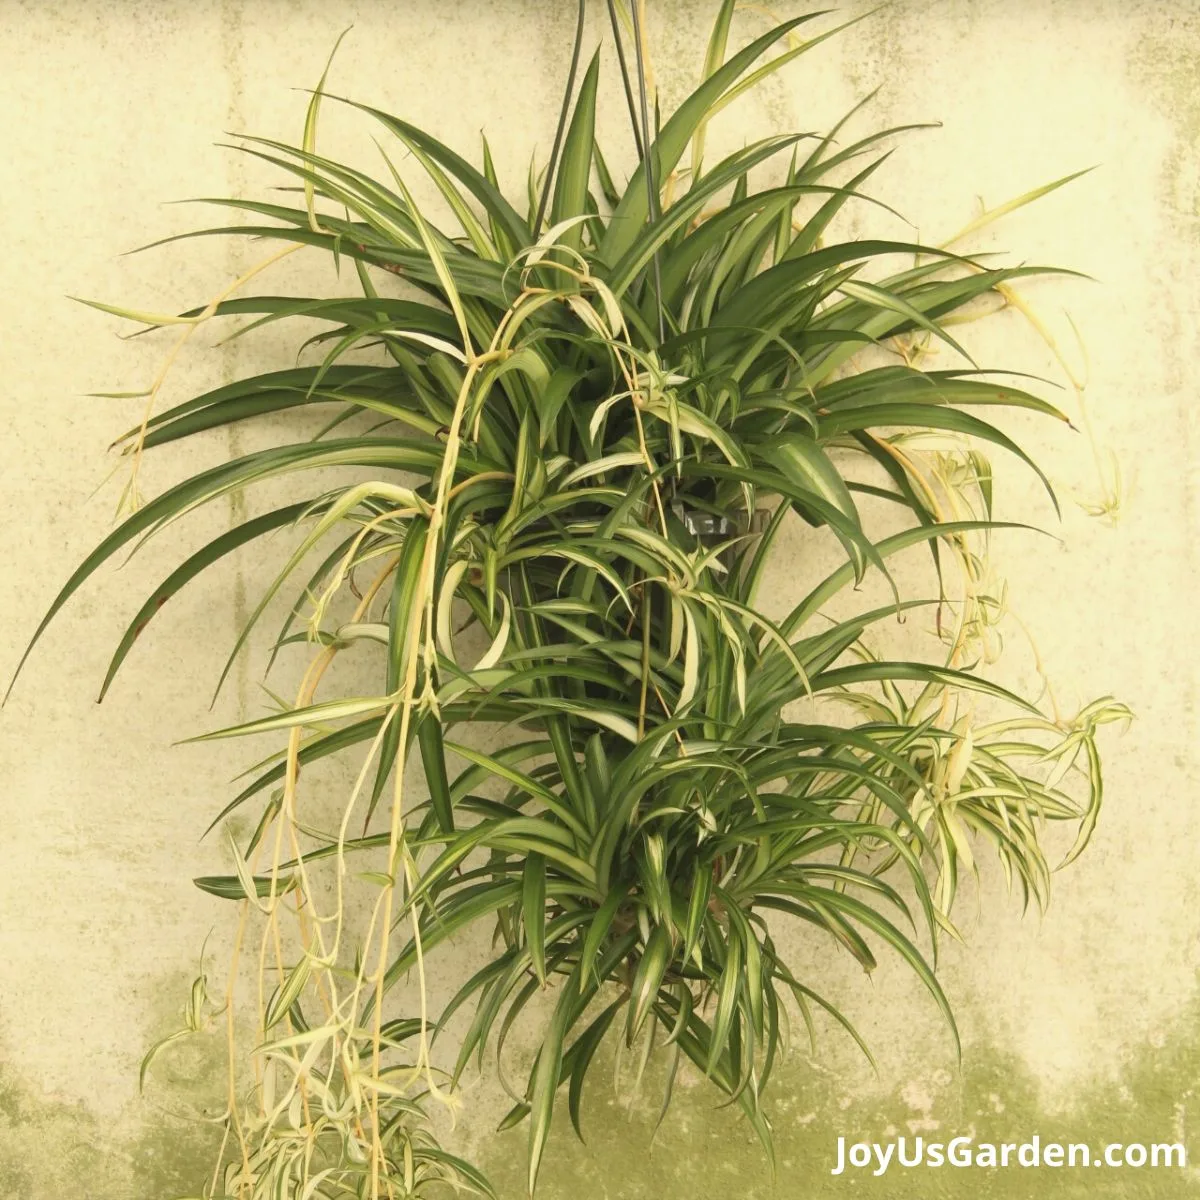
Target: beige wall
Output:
[(1086, 1023)]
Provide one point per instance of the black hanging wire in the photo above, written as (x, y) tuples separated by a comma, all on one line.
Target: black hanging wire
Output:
[(633, 118), (562, 123)]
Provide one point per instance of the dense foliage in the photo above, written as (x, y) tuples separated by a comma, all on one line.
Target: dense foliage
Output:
[(582, 425)]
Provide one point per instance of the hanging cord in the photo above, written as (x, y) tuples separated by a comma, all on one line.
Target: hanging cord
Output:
[(562, 124), (633, 118), (647, 163)]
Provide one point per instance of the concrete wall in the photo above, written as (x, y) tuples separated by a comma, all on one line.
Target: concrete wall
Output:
[(1084, 1026)]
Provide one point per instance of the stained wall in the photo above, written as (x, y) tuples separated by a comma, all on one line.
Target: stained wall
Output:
[(1082, 1025)]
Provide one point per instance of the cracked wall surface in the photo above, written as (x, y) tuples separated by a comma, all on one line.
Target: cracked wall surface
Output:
[(1083, 1025)]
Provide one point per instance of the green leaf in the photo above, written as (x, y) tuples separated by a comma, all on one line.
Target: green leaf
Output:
[(533, 911), (575, 165), (580, 1056), (922, 416), (514, 233), (546, 1074), (287, 993), (403, 609), (433, 760), (647, 980), (230, 887), (714, 56), (227, 477), (184, 574), (667, 149)]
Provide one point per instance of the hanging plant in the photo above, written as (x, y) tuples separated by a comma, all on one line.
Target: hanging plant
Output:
[(578, 429)]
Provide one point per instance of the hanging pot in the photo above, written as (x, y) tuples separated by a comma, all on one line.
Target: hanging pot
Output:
[(711, 529)]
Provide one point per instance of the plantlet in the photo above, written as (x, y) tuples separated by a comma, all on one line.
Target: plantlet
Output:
[(579, 427)]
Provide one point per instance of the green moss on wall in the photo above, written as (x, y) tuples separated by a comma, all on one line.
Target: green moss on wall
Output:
[(51, 1149), (701, 1151), (1163, 64)]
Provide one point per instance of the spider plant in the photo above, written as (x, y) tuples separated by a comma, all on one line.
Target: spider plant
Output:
[(579, 425)]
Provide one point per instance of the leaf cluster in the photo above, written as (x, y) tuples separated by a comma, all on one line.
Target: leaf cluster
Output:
[(582, 428)]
